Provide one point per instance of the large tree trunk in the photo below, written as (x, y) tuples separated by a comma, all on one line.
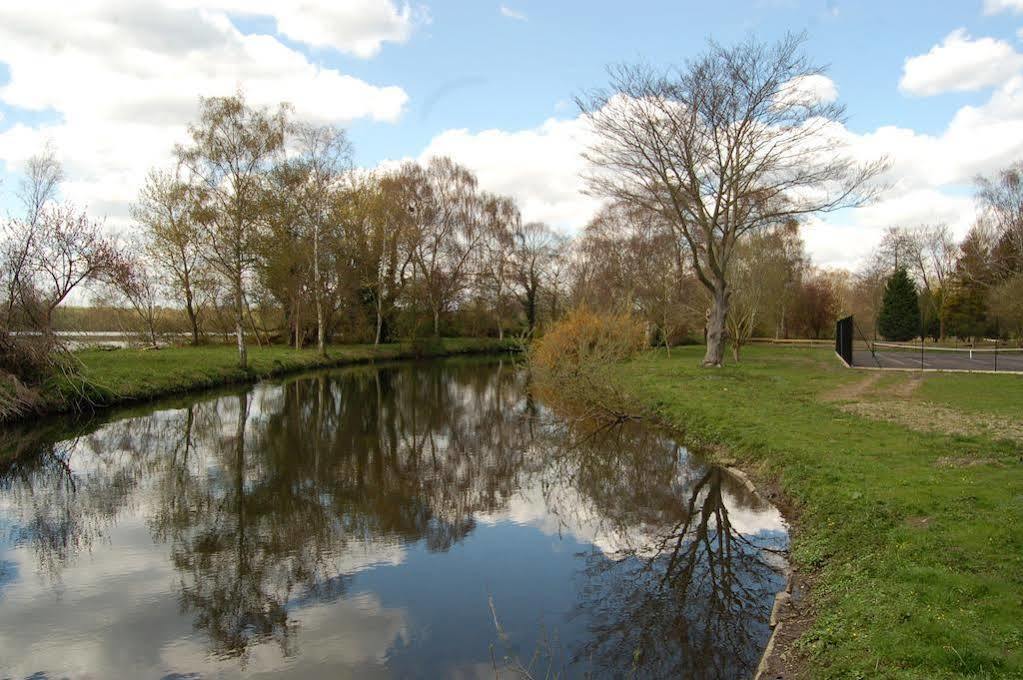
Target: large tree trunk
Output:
[(321, 334), (380, 324), (192, 320), (239, 324), (436, 322), (716, 326), (531, 309)]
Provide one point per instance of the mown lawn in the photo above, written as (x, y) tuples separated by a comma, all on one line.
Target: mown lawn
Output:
[(913, 536), (115, 376)]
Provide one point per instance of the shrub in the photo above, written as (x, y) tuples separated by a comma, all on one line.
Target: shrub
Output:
[(584, 340), (572, 360)]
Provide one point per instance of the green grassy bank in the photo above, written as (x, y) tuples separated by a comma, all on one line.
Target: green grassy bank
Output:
[(126, 375), (907, 491)]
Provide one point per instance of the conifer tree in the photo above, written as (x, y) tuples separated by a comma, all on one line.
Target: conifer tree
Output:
[(899, 319)]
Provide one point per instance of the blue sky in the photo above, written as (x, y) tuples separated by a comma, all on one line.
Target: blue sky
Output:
[(111, 83), (474, 68)]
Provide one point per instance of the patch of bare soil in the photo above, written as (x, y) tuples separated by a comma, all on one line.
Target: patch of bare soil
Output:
[(902, 387), (927, 417), (965, 462), (854, 391), (792, 616), (905, 388), (918, 522)]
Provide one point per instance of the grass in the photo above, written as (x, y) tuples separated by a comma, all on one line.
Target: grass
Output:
[(125, 375), (913, 538), (998, 394)]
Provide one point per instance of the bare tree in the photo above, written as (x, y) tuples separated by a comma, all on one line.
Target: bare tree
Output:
[(232, 147), (449, 218), (41, 177), (283, 256), (751, 265), (626, 260), (933, 260), (535, 247), (734, 142), (134, 280), (44, 256), (324, 156), (817, 303), (1001, 200), (392, 241), (497, 257), (896, 249), (40, 180), (172, 237), (69, 249)]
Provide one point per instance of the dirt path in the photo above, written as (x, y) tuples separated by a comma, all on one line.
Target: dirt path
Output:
[(854, 391), (901, 387), (905, 388)]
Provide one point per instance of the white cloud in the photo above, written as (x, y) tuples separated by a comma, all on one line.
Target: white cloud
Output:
[(996, 6), (960, 64), (358, 27), (124, 77), (810, 90), (512, 14), (539, 167), (930, 175)]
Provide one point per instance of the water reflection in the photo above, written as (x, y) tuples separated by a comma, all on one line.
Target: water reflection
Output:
[(419, 520)]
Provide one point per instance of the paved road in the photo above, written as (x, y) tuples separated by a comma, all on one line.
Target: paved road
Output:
[(981, 361)]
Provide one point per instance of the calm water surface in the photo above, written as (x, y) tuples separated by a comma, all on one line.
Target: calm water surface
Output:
[(418, 520)]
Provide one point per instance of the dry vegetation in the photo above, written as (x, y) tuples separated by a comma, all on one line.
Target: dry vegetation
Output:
[(573, 360)]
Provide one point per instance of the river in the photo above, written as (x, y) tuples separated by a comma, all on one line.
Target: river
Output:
[(430, 519)]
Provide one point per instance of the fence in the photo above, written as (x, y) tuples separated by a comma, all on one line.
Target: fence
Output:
[(997, 357), (844, 340)]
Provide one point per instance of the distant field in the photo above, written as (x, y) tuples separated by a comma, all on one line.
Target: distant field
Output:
[(908, 490)]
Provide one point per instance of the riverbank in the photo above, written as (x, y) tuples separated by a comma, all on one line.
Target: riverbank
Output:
[(906, 492), (119, 376)]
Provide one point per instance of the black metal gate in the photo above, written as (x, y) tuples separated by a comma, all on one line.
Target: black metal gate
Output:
[(844, 339)]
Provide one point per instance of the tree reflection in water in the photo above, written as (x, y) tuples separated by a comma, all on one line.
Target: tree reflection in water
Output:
[(673, 587), (275, 497)]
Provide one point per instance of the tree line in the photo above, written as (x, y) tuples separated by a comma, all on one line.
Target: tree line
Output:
[(923, 282), (262, 229)]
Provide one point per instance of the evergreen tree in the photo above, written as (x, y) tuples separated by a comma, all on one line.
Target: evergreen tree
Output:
[(899, 319), (966, 312)]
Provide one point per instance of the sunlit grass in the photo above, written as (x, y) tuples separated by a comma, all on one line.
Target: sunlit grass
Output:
[(896, 597), (107, 377)]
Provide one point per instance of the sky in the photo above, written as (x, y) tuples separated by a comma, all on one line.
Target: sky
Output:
[(112, 84)]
